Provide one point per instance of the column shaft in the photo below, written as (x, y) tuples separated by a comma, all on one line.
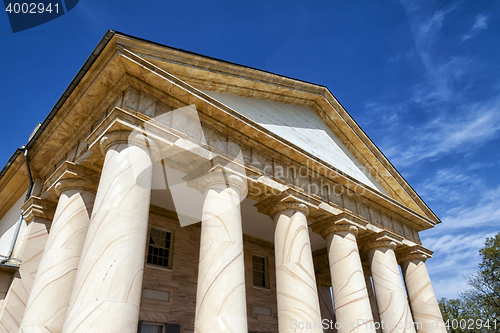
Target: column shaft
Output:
[(393, 306), (107, 291), (49, 299), (220, 300), (352, 304), (424, 305), (298, 304)]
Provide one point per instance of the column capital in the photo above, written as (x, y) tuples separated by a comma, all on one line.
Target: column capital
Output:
[(413, 253), (137, 138), (75, 184), (341, 222), (71, 176), (286, 200), (381, 240), (218, 173), (36, 207)]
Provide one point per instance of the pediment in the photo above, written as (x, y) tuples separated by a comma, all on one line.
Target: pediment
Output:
[(289, 109)]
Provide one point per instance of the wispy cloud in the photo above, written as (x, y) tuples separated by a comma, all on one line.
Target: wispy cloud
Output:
[(442, 121), (456, 256), (480, 24), (465, 129), (440, 71), (448, 186), (466, 225)]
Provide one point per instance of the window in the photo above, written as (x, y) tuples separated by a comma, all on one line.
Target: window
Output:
[(152, 328), (160, 248), (158, 328), (259, 271)]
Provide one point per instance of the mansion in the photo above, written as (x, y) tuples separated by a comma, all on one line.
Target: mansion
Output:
[(170, 192)]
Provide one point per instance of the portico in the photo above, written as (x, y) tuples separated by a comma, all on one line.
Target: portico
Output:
[(194, 195)]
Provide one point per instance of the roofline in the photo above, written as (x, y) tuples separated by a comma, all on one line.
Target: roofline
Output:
[(95, 54), (60, 102), (216, 59), (11, 160)]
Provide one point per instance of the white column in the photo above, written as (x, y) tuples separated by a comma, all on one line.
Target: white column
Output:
[(298, 303), (395, 315), (38, 215), (350, 296), (423, 303), (49, 299), (220, 299), (107, 291)]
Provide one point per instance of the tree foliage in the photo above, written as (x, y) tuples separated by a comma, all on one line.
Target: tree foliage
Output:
[(480, 305)]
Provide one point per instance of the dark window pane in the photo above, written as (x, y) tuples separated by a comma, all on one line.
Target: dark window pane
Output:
[(159, 247)]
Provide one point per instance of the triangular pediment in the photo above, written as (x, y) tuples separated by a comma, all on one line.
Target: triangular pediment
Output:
[(301, 126), (303, 115)]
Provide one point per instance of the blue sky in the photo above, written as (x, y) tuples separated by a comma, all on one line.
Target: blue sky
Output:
[(422, 78)]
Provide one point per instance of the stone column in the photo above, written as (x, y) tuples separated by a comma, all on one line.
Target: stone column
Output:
[(49, 299), (298, 303), (220, 299), (371, 295), (38, 214), (107, 291), (395, 315), (350, 296), (423, 302)]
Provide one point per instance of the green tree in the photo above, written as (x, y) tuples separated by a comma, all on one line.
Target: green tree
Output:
[(485, 283), (478, 309), (459, 314)]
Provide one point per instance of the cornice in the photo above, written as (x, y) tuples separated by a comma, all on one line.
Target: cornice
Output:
[(70, 175), (38, 208), (413, 253)]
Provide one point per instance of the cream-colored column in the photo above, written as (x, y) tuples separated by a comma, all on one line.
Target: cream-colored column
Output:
[(220, 299), (393, 306), (326, 307), (350, 296), (298, 303), (38, 214), (107, 291), (49, 299), (371, 295), (423, 302)]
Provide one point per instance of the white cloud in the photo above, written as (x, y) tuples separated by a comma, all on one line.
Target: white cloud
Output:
[(448, 185), (480, 24), (456, 242), (486, 213), (470, 126), (456, 257)]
